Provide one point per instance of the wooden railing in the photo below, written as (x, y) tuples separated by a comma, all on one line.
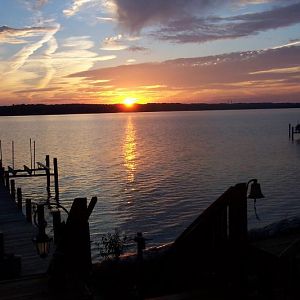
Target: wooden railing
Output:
[(224, 222)]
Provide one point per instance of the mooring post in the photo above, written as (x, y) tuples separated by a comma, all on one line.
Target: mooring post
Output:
[(28, 210), (56, 225), (48, 174), (2, 175), (56, 179), (19, 198), (7, 181), (13, 189), (289, 130), (292, 133), (1, 246), (41, 217)]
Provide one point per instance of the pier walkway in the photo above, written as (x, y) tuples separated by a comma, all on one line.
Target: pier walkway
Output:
[(18, 234)]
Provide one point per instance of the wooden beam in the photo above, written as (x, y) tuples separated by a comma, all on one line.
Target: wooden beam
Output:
[(28, 170), (42, 166), (11, 170)]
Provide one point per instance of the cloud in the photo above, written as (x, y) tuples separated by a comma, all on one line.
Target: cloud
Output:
[(137, 48), (79, 42), (196, 21), (263, 74), (20, 57), (11, 35), (35, 4), (134, 15), (105, 19), (76, 6), (114, 43), (198, 30)]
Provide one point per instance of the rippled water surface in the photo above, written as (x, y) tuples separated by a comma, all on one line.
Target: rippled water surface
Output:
[(155, 172)]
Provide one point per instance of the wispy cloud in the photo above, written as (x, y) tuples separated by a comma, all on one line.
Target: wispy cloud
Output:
[(11, 35), (20, 57), (76, 6)]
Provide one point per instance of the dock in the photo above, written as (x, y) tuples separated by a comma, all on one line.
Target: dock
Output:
[(18, 235)]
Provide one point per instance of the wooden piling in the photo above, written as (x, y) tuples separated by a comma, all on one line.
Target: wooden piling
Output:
[(1, 246), (28, 210), (2, 175), (7, 181), (289, 130), (41, 216), (56, 225), (13, 189), (19, 198), (56, 179), (48, 174), (292, 133)]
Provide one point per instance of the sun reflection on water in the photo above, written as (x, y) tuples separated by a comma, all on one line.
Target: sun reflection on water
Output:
[(129, 151)]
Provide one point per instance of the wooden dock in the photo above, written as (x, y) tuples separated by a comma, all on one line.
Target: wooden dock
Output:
[(18, 235)]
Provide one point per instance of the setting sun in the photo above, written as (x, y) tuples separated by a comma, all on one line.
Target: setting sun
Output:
[(129, 101)]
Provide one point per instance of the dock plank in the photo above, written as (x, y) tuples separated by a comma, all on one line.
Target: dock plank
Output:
[(18, 235)]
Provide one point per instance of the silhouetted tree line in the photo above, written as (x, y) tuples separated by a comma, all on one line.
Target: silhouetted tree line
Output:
[(59, 109)]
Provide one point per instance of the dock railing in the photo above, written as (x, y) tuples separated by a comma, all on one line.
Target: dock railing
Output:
[(223, 222)]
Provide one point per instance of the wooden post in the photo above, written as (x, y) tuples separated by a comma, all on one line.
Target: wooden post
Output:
[(1, 246), (41, 217), (48, 174), (56, 179), (28, 211), (56, 225), (13, 189), (290, 131), (19, 198), (7, 181), (238, 230), (2, 175)]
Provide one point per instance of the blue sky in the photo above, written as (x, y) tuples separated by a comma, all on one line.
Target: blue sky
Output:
[(106, 51)]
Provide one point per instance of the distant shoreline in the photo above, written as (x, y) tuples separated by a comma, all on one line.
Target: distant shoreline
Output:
[(61, 109)]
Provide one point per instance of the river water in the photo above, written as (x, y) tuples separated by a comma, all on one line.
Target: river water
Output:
[(156, 172)]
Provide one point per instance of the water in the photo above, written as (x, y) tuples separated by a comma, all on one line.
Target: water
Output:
[(156, 172)]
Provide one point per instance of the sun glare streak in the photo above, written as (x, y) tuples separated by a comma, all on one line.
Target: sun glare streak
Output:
[(129, 151)]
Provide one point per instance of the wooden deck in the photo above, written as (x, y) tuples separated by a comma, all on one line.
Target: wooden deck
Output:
[(18, 236)]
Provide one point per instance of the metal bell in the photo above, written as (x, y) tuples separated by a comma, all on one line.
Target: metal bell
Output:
[(255, 191)]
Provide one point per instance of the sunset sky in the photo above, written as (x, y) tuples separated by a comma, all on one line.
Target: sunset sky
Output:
[(107, 51)]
